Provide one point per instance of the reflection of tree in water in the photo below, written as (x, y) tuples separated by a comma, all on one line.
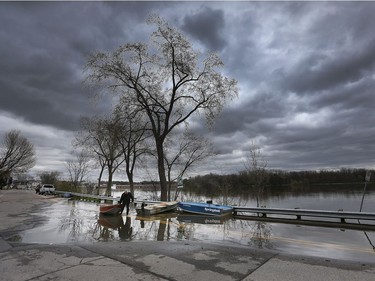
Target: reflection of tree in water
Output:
[(185, 231), (75, 222), (106, 234), (261, 233), (254, 233), (72, 223), (160, 229), (147, 230)]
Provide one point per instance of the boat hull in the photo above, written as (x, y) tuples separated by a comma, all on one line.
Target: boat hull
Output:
[(157, 208), (205, 208), (108, 209)]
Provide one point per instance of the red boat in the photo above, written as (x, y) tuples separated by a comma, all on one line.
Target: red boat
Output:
[(109, 209)]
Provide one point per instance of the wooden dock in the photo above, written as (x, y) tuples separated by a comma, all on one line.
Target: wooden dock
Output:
[(103, 198)]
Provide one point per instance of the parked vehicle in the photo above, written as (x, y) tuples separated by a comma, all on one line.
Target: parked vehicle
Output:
[(47, 189)]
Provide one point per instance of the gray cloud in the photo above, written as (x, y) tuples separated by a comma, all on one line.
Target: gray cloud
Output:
[(305, 72), (206, 25)]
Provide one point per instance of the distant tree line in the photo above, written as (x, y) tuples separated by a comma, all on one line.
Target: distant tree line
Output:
[(245, 182)]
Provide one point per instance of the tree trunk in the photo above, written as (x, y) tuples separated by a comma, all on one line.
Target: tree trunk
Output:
[(100, 179), (109, 184), (169, 184), (131, 182), (161, 170)]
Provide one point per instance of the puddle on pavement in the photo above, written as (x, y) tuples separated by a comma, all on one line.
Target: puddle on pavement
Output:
[(70, 221)]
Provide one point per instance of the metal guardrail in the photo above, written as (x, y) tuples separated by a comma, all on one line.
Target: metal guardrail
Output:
[(307, 213)]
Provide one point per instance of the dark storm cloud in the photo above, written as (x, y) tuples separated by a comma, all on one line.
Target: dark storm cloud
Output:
[(45, 49), (322, 72), (249, 113), (305, 72), (338, 44), (206, 25), (41, 80)]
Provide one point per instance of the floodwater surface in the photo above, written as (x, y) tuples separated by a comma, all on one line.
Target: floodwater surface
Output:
[(70, 221)]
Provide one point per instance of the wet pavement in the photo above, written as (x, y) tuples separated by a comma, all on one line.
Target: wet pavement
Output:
[(149, 260)]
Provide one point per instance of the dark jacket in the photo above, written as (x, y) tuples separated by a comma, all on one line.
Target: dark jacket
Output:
[(126, 197)]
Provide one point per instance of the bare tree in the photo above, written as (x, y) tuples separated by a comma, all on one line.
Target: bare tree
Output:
[(256, 165), (181, 157), (132, 137), (100, 162), (167, 80), (78, 169), (17, 154), (100, 136)]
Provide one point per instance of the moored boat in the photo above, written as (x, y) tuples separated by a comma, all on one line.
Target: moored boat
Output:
[(156, 208), (205, 208), (110, 209)]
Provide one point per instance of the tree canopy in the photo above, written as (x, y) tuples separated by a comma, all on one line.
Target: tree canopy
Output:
[(167, 80), (17, 154)]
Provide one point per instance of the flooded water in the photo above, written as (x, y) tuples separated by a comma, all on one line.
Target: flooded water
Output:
[(70, 221)]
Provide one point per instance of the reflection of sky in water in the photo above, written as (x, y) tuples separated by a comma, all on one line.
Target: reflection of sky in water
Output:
[(77, 221)]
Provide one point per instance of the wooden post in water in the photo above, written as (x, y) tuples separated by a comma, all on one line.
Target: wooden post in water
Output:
[(367, 179)]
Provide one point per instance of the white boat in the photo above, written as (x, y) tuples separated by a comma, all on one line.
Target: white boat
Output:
[(156, 208)]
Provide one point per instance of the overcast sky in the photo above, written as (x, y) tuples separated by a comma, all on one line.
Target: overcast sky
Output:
[(305, 72)]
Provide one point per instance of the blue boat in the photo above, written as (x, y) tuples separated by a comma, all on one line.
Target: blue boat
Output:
[(205, 208)]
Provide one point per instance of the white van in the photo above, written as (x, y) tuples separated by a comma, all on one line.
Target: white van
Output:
[(47, 189)]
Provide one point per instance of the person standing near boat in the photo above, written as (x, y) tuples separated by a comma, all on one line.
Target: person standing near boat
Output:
[(125, 201)]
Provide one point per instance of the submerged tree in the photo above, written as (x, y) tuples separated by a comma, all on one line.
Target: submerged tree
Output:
[(167, 80), (182, 153), (256, 165)]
